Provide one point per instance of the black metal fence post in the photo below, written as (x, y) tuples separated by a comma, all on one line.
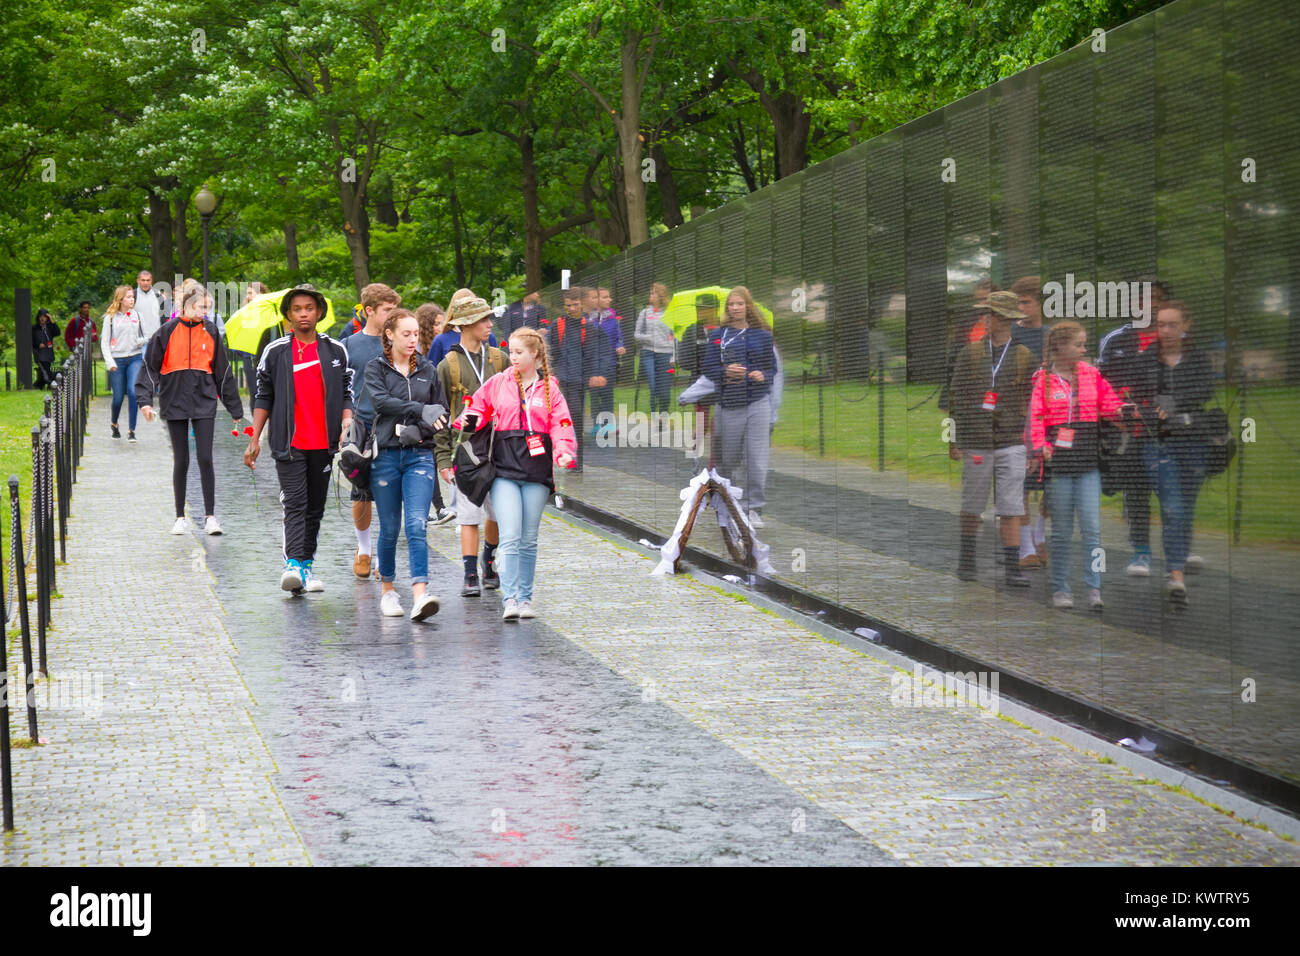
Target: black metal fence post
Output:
[(38, 532), (62, 408), (20, 577), (6, 769)]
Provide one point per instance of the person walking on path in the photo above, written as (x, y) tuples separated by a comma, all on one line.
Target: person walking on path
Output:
[(609, 322), (148, 305), (465, 369), (81, 326), (409, 410), (988, 399), (741, 361), (656, 341), (433, 319), (582, 359), (123, 347), (534, 431), (1172, 382), (44, 334), (1068, 397), (304, 393), (378, 302), (185, 364)]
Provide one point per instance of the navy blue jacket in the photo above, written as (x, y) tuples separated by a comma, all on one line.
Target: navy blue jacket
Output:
[(582, 356), (751, 348)]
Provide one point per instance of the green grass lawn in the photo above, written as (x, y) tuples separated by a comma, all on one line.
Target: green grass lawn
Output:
[(19, 411), (914, 440)]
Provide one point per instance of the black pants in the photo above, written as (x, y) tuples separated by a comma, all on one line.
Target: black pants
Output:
[(575, 393), (304, 481), (44, 374), (179, 429)]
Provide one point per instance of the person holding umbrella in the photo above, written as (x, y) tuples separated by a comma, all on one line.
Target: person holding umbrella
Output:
[(186, 365), (304, 392), (740, 359)]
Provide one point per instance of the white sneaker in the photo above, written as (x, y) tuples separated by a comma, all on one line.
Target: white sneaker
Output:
[(1095, 603), (526, 609), (510, 610), (210, 526), (291, 577), (181, 526), (390, 605), (426, 605), (1194, 564), (1139, 567), (1062, 599), (755, 519), (309, 580)]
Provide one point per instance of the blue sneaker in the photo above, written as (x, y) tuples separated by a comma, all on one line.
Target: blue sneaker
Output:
[(1139, 567), (291, 579), (310, 582)]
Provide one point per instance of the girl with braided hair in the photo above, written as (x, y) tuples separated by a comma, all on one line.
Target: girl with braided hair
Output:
[(534, 433)]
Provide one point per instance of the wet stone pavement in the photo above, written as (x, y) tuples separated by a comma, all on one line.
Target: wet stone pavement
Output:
[(465, 740), (639, 720)]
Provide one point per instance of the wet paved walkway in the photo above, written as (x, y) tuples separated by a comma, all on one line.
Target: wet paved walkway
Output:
[(638, 720)]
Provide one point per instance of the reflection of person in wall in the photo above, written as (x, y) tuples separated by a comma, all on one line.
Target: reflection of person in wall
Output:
[(580, 359), (696, 336), (656, 341), (1029, 333), (972, 327), (990, 392), (1068, 397), (1173, 381), (1119, 358), (741, 360)]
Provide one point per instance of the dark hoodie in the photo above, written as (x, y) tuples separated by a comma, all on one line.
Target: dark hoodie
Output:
[(400, 399)]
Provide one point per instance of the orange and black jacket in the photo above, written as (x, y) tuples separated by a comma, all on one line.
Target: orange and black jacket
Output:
[(186, 363)]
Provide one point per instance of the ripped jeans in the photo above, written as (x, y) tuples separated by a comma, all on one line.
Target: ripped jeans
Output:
[(402, 479)]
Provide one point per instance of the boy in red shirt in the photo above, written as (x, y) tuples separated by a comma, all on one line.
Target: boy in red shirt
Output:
[(304, 393)]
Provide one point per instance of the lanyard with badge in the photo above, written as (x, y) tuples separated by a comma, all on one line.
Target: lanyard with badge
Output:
[(481, 368), (1065, 436), (991, 396), (535, 446)]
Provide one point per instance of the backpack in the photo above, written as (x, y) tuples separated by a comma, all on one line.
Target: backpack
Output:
[(497, 362)]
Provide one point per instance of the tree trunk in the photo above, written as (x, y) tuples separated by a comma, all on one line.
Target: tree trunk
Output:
[(741, 152), (184, 250), (291, 246), (667, 187), (356, 228), (628, 123), (456, 238), (791, 124), (162, 263)]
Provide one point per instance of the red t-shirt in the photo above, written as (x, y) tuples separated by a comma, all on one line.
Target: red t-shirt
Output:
[(309, 398)]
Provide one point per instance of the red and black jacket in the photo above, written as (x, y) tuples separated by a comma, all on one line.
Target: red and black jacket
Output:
[(187, 364)]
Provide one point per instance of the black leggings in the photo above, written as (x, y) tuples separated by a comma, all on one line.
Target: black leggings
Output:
[(180, 434)]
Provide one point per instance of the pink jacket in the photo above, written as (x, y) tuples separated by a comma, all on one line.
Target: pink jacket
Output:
[(1050, 403), (497, 400)]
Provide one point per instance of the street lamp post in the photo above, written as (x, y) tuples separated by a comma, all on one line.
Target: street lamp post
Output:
[(206, 203)]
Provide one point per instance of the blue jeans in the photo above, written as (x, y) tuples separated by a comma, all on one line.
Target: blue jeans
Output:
[(1068, 495), (1176, 472), (518, 506), (123, 384), (654, 366), (402, 479)]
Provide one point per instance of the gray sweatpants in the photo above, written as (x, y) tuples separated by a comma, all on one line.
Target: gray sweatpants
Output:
[(745, 439)]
